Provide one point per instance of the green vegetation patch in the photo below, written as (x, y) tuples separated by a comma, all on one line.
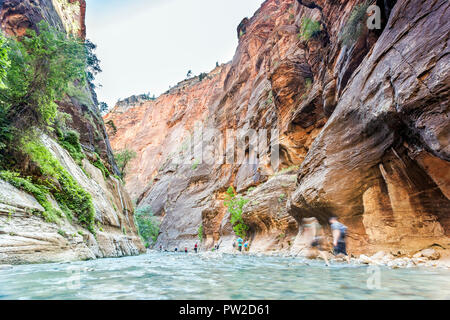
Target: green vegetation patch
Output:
[(71, 142), (355, 24), (195, 165), (235, 204), (309, 28), (39, 192), (98, 163), (123, 158), (69, 194), (41, 68), (112, 125), (148, 225), (200, 233)]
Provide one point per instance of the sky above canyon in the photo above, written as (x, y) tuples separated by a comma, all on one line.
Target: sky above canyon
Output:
[(145, 46)]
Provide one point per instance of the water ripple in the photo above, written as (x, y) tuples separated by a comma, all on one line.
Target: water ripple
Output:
[(216, 276)]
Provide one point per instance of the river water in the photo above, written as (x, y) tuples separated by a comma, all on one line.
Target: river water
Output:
[(217, 276)]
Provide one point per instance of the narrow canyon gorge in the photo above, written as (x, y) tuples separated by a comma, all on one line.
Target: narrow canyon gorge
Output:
[(356, 124), (363, 122)]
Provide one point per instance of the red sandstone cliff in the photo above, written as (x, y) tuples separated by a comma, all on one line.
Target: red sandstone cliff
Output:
[(364, 131)]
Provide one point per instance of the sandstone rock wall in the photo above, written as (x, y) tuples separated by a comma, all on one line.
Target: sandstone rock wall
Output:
[(24, 236), (366, 165), (364, 131)]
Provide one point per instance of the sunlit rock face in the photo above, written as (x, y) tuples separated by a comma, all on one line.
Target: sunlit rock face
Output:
[(363, 128), (27, 238)]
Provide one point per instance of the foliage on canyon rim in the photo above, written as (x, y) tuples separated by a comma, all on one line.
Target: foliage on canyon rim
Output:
[(148, 225), (355, 24), (235, 204), (123, 158), (202, 76)]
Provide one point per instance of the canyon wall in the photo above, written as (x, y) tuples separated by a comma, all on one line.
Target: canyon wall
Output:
[(363, 131), (25, 237)]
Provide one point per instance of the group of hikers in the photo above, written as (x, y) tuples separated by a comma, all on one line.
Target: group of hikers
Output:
[(241, 245), (313, 234), (176, 249), (315, 237)]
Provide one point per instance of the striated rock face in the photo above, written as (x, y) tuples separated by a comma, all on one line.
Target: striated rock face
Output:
[(366, 165), (156, 130), (363, 128), (27, 238), (24, 236), (267, 216), (17, 16)]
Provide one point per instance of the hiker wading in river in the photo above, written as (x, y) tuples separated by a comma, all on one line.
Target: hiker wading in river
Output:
[(314, 234), (240, 243), (339, 238)]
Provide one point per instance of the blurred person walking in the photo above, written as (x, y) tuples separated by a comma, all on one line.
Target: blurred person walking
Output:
[(314, 235), (339, 238)]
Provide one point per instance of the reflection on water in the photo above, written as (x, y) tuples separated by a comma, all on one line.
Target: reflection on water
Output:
[(214, 276)]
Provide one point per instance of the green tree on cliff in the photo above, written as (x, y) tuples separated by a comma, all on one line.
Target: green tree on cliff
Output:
[(38, 72), (103, 106), (123, 158), (235, 205), (92, 62), (309, 28), (148, 225)]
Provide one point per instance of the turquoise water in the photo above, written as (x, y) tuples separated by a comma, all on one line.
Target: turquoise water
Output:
[(214, 276)]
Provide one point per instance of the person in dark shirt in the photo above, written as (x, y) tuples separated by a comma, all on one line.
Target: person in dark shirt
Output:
[(339, 238)]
